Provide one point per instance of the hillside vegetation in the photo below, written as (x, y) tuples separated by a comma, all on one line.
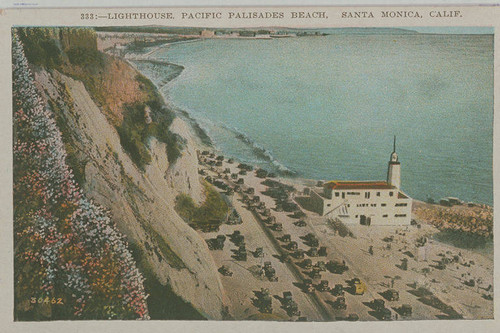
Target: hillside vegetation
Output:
[(212, 211), (70, 261), (129, 100)]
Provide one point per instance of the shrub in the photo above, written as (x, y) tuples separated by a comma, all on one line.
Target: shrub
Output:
[(134, 133), (40, 49), (213, 209), (81, 56)]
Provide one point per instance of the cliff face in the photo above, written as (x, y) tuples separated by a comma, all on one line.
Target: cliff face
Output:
[(141, 202)]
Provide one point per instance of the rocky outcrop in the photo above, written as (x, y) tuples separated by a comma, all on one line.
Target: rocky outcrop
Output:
[(141, 202), (475, 220)]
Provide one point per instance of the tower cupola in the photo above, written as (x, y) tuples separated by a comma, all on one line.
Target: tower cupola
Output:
[(394, 169)]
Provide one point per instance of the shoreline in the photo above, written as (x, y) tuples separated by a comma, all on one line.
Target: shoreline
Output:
[(202, 134), (153, 49), (205, 142)]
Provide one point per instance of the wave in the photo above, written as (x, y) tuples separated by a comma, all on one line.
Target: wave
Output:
[(200, 131), (162, 72), (263, 156), (260, 152)]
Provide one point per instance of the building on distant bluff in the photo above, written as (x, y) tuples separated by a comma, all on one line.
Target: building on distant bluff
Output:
[(366, 202)]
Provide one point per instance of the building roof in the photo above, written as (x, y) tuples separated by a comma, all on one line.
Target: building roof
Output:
[(401, 195), (358, 185)]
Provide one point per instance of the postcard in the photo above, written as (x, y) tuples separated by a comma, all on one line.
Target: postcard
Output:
[(190, 168)]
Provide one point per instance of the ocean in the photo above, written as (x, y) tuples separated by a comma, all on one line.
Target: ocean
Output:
[(327, 107)]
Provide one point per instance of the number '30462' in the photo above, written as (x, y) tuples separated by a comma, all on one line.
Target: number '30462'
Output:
[(46, 300)]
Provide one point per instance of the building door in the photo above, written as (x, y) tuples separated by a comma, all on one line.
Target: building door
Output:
[(362, 219)]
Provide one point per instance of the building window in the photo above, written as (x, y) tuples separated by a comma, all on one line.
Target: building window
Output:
[(378, 194), (391, 194), (367, 195), (373, 205), (383, 205), (400, 215), (356, 216), (385, 215), (401, 205), (348, 205), (337, 194), (343, 195), (328, 205)]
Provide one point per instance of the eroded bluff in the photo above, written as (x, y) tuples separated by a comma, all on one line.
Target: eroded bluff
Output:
[(141, 201)]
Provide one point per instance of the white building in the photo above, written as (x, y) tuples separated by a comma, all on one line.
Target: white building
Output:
[(207, 34), (366, 202)]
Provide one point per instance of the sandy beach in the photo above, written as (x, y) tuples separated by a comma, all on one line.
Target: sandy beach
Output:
[(424, 285)]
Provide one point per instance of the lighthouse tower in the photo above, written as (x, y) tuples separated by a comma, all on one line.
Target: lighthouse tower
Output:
[(394, 169)]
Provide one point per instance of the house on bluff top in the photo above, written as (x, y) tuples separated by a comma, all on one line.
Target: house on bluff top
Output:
[(366, 202)]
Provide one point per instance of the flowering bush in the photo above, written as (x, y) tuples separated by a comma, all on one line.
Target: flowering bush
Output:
[(70, 260)]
